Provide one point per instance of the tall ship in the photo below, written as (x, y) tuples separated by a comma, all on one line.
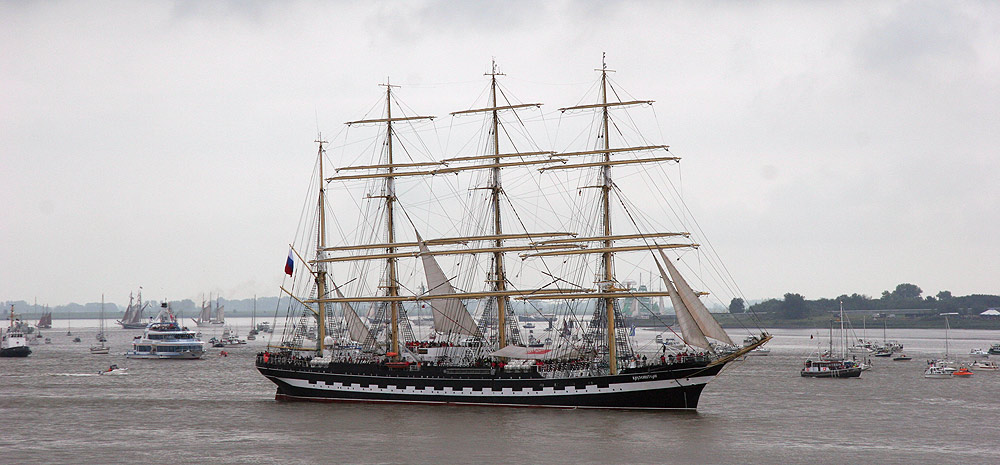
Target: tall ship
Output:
[(133, 313), (445, 236), (45, 321), (166, 338), (209, 317), (13, 342)]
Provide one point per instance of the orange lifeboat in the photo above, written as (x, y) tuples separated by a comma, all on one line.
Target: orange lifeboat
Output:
[(962, 373)]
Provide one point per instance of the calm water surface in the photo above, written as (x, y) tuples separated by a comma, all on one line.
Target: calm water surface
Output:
[(56, 409)]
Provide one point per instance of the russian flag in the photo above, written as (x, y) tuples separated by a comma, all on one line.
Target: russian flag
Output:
[(289, 264)]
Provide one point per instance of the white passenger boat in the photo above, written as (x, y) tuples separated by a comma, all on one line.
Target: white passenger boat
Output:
[(165, 338)]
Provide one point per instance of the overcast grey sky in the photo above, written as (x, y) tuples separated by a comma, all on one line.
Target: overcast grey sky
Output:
[(828, 147)]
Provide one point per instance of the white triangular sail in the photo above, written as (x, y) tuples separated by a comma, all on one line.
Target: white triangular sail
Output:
[(450, 315), (701, 315), (690, 331), (356, 328)]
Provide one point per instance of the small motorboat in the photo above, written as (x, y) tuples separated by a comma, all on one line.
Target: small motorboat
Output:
[(962, 373), (984, 365), (883, 353), (113, 370), (938, 371), (902, 358), (100, 349), (979, 353)]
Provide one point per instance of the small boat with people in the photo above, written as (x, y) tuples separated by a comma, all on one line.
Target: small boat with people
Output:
[(985, 365), (759, 351), (230, 338), (902, 358), (979, 353), (962, 372), (994, 349), (938, 370), (113, 370), (831, 368)]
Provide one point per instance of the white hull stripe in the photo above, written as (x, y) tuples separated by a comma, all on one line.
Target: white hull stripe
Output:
[(505, 392)]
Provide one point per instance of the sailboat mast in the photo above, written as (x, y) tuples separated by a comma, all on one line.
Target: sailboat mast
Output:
[(843, 335), (606, 265), (946, 328), (390, 197), (320, 245), (500, 283)]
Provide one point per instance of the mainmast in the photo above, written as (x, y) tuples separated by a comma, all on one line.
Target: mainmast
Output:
[(500, 283), (499, 278), (606, 264), (390, 198), (320, 245)]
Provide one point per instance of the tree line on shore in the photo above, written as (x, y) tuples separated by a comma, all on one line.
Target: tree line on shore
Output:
[(905, 296)]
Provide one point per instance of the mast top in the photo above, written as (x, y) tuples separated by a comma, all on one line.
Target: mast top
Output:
[(604, 64), (387, 85), (494, 71)]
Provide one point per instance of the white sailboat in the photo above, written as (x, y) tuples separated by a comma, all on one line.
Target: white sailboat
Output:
[(101, 347), (946, 367)]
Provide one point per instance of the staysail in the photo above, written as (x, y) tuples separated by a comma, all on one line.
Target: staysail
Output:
[(356, 328), (450, 315), (706, 322), (690, 331)]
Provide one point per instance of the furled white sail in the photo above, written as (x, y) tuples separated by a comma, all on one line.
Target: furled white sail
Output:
[(690, 331), (698, 310), (537, 353), (356, 328), (450, 315)]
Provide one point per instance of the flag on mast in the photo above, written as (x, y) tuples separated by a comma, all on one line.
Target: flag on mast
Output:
[(290, 263)]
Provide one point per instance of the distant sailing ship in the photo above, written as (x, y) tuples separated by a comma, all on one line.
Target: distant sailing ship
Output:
[(45, 321), (209, 317), (133, 313), (480, 356)]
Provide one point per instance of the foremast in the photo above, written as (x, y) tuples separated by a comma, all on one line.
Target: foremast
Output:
[(606, 272)]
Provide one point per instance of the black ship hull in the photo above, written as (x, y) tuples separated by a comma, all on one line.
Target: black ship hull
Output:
[(20, 351), (674, 386), (132, 325)]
